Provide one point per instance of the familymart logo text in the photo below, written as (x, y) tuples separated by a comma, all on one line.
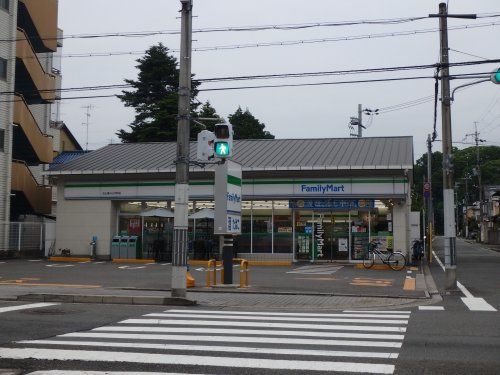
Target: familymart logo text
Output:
[(322, 188)]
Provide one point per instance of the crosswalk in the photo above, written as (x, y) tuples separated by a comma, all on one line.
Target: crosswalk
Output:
[(350, 341)]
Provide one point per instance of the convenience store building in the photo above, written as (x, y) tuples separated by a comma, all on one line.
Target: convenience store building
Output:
[(303, 199)]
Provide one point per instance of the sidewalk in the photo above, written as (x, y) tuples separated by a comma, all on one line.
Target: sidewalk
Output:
[(323, 286)]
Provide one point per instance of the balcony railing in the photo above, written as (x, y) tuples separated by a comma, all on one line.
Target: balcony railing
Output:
[(38, 196), (43, 16), (44, 82), (41, 143)]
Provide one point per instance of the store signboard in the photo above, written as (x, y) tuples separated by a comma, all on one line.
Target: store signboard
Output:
[(331, 203), (228, 197)]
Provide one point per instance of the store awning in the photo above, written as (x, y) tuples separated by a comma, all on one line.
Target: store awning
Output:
[(206, 213), (158, 212)]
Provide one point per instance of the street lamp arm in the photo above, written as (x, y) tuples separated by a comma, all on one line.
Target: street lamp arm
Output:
[(466, 85)]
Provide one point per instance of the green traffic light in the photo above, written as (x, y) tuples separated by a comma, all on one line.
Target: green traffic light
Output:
[(221, 149), (497, 76)]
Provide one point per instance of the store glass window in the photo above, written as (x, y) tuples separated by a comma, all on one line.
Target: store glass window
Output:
[(283, 231), (262, 227)]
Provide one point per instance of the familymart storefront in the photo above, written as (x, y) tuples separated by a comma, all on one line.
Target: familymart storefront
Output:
[(304, 213)]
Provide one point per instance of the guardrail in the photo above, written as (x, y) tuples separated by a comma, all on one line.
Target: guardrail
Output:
[(211, 278)]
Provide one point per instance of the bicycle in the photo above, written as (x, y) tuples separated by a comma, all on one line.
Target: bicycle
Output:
[(395, 260)]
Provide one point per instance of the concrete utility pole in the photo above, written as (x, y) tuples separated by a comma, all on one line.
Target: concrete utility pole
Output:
[(479, 178), (360, 121), (450, 256), (430, 212), (180, 238)]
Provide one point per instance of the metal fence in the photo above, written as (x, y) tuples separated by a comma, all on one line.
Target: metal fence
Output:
[(26, 239)]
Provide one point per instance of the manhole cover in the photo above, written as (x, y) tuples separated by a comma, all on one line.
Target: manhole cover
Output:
[(53, 311)]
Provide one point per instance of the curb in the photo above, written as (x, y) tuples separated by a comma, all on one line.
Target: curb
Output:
[(125, 300)]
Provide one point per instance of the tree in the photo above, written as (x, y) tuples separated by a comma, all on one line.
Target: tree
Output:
[(155, 98), (246, 126), (207, 111)]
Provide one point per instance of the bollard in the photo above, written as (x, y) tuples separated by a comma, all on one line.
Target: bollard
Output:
[(243, 273), (209, 271)]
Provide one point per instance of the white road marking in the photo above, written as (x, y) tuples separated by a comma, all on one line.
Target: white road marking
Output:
[(212, 348), (377, 311), (26, 307), (59, 265), (274, 318), (131, 268), (34, 260), (87, 261), (346, 313), (73, 372), (431, 308), (265, 325), (477, 304), (409, 271), (165, 264), (2, 262), (190, 360), (99, 262), (218, 331), (316, 270), (261, 340), (438, 260), (464, 290), (472, 303)]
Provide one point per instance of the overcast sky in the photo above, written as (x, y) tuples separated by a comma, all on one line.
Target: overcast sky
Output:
[(293, 112)]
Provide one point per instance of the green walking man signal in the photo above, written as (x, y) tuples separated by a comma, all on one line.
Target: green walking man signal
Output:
[(218, 144)]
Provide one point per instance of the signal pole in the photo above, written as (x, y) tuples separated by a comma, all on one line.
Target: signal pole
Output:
[(180, 238), (430, 212), (450, 255), (479, 178)]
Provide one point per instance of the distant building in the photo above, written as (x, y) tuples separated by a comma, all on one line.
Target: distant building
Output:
[(31, 132)]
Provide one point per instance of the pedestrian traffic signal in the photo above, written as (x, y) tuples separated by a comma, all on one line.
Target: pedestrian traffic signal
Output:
[(205, 145), (495, 77), (223, 143)]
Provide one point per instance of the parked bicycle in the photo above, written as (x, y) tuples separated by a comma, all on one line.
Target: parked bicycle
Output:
[(396, 260)]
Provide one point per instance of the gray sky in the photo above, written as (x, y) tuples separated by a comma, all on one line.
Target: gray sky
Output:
[(298, 112)]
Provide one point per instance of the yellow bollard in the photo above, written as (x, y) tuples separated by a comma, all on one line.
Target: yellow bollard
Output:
[(209, 271), (243, 273)]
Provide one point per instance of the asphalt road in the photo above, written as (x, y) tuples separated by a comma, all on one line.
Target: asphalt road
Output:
[(453, 340), (302, 278)]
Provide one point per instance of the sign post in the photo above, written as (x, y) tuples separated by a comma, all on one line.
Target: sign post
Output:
[(227, 223)]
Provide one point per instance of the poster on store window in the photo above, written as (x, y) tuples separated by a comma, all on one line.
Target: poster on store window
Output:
[(319, 239)]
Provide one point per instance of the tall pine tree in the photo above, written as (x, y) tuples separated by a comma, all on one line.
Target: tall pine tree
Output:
[(246, 126), (155, 98)]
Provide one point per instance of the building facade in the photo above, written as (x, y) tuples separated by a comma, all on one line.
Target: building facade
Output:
[(29, 78), (303, 199)]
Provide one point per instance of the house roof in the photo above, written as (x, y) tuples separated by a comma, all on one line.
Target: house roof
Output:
[(253, 155)]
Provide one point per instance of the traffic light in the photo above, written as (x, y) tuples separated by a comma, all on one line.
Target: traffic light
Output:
[(205, 146), (495, 77), (223, 143)]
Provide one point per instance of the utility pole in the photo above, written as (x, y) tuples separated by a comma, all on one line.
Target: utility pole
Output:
[(430, 212), (450, 256), (360, 121), (88, 108), (479, 178), (180, 238)]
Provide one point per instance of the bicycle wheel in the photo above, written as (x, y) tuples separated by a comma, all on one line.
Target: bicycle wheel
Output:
[(368, 259), (397, 261)]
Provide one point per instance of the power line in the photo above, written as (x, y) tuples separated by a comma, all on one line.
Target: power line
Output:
[(285, 43), (466, 53)]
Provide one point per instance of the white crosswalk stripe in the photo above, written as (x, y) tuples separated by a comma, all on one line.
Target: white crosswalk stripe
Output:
[(350, 341)]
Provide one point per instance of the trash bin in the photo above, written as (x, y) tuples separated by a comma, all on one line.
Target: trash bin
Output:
[(132, 247), (124, 247), (115, 247)]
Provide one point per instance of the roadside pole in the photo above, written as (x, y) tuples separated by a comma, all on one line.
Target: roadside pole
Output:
[(360, 121), (180, 237), (430, 212), (450, 256)]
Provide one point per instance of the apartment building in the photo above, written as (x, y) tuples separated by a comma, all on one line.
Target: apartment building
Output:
[(29, 112)]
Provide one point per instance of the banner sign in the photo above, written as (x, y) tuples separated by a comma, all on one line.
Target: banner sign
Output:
[(345, 204), (227, 198)]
